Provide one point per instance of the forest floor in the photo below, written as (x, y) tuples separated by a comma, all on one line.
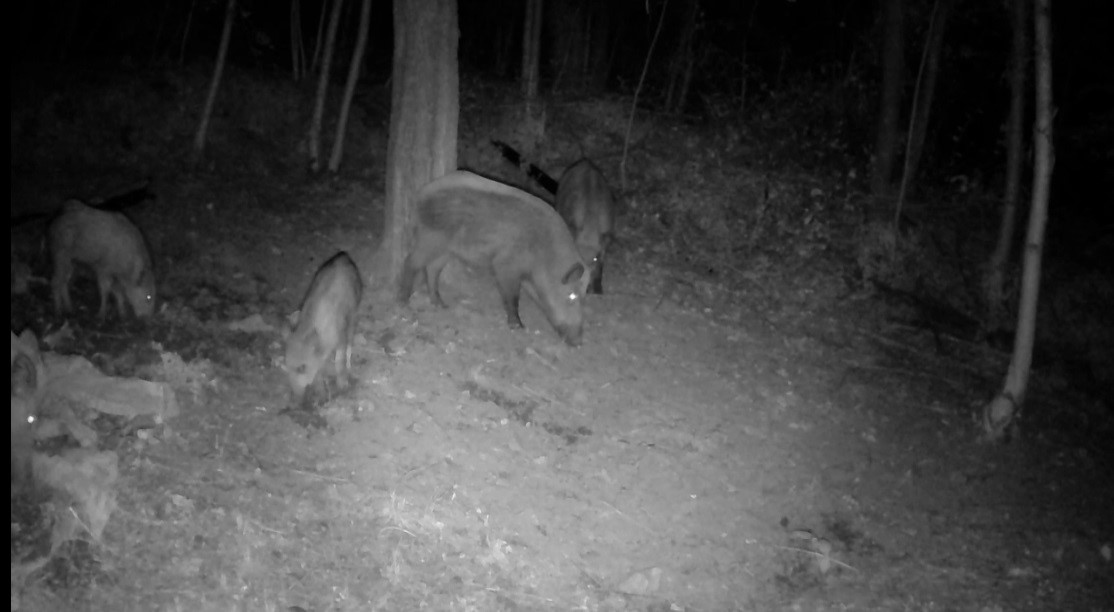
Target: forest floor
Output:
[(709, 447)]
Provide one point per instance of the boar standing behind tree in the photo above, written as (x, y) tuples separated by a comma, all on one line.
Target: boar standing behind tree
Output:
[(515, 235)]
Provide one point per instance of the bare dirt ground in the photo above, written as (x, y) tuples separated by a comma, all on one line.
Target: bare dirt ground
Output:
[(756, 446)]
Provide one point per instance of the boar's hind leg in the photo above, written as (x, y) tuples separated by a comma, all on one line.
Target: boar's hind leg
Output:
[(342, 358), (509, 288), (433, 279), (597, 279), (106, 287), (406, 280), (60, 284), (120, 298)]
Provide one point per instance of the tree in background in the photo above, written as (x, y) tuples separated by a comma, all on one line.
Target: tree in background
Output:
[(322, 89), (350, 86), (1002, 411), (999, 259), (889, 110), (214, 84), (531, 49)]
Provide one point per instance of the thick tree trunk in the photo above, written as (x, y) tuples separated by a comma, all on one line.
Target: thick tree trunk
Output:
[(996, 267), (425, 108), (350, 86), (214, 85), (323, 89), (889, 111), (1002, 411), (531, 49)]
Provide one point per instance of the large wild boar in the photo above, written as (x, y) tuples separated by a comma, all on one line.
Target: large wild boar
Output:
[(28, 378), (113, 247), (585, 202), (325, 327), (515, 235)]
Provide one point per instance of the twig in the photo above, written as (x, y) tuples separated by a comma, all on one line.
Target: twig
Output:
[(821, 556)]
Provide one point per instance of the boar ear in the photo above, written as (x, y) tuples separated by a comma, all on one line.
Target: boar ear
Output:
[(574, 273), (292, 318), (30, 343), (291, 323)]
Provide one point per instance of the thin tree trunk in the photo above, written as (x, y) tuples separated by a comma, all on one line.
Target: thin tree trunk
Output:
[(503, 46), (1002, 411), (425, 111), (689, 57), (889, 111), (637, 91), (214, 85), (996, 267), (297, 49), (186, 33), (923, 95), (597, 57), (323, 89), (531, 48), (158, 31), (683, 61), (318, 42), (350, 86), (743, 63), (70, 30), (926, 91)]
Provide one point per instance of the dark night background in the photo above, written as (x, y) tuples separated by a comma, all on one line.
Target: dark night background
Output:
[(787, 44), (809, 70)]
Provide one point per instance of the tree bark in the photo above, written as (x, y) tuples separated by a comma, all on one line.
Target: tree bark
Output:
[(889, 111), (214, 85), (531, 49), (350, 86), (323, 89), (996, 267), (425, 109), (1002, 411)]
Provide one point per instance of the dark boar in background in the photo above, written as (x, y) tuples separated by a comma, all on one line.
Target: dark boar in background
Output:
[(113, 247), (585, 202), (515, 235)]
